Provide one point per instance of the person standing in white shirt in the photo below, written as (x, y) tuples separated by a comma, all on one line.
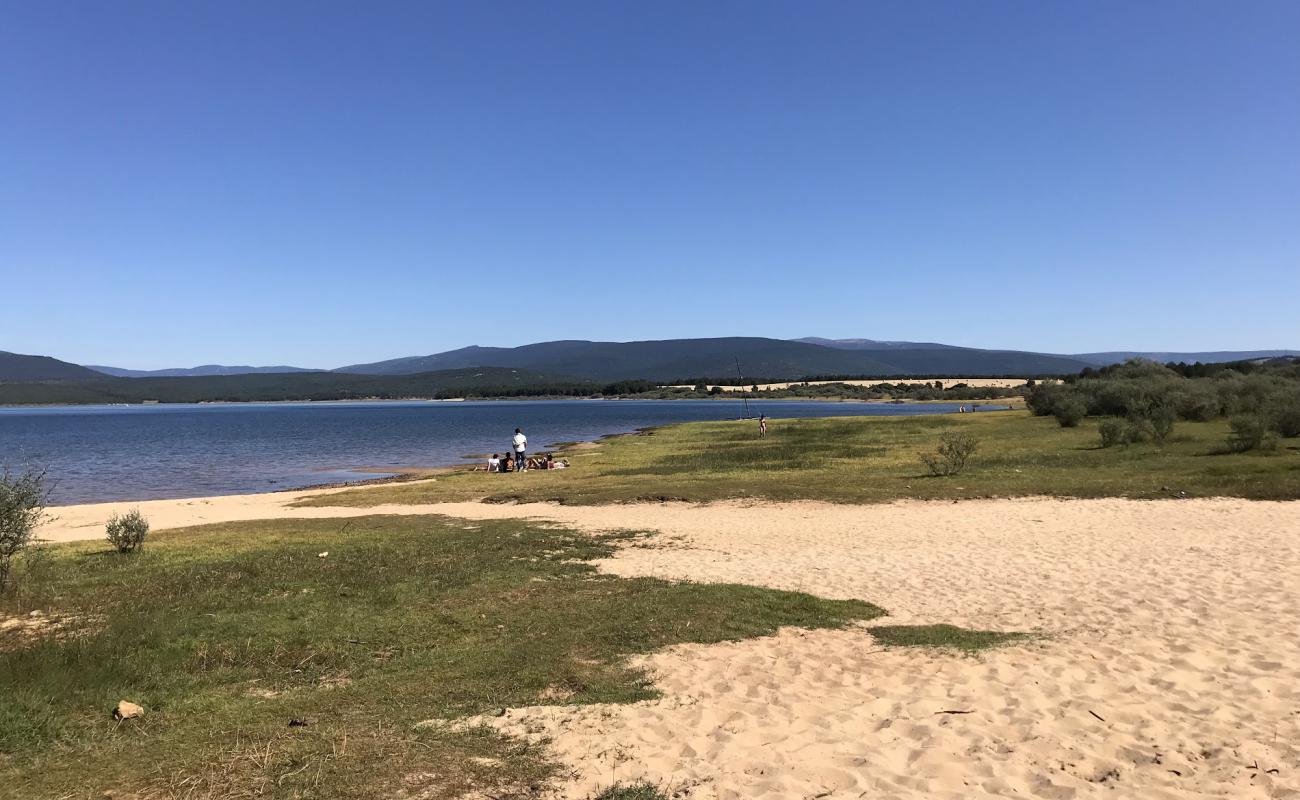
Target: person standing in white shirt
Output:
[(520, 443)]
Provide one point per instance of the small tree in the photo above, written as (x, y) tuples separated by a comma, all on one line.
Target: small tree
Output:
[(22, 510), (955, 449), (127, 531)]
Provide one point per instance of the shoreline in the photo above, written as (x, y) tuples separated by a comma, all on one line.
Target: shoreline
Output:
[(728, 397), (406, 474), (389, 476)]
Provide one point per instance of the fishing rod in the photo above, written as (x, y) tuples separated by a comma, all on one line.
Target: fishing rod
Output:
[(743, 399)]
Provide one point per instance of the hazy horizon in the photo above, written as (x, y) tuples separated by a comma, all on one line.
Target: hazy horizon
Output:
[(318, 185)]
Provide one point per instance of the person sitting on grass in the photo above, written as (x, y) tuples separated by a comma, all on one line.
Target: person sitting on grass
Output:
[(494, 463), (551, 463)]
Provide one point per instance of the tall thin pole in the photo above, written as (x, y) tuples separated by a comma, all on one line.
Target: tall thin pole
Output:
[(743, 399)]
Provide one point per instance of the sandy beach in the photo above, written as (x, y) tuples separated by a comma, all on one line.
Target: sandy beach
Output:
[(1164, 663), (978, 383)]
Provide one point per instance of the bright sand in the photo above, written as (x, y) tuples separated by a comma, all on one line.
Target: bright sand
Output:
[(978, 383), (1168, 666)]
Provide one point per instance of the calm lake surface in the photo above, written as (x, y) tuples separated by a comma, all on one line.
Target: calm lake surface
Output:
[(103, 453)]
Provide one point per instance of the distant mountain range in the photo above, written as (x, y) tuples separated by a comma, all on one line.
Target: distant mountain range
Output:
[(273, 386), (1208, 357), (205, 371), (1091, 359), (672, 360), (17, 367), (678, 359)]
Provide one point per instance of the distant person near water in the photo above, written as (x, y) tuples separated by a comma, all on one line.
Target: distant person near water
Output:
[(494, 463), (762, 425), (520, 444)]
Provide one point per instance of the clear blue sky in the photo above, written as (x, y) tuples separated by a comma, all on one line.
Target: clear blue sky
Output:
[(321, 183)]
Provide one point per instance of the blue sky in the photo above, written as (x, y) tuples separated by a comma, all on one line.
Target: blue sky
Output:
[(324, 183)]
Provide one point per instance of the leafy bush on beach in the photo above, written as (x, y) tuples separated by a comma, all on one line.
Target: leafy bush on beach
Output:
[(127, 531), (955, 449), (22, 509)]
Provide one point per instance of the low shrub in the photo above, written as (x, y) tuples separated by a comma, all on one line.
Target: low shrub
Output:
[(22, 510), (1160, 419), (1042, 398), (1113, 431), (1198, 402), (1069, 410), (1248, 433), (1284, 415), (1139, 429), (127, 531), (955, 449)]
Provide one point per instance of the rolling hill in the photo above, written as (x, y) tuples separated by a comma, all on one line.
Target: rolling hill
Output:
[(276, 386), (204, 371), (676, 359), (875, 344), (575, 361), (1091, 359), (16, 367)]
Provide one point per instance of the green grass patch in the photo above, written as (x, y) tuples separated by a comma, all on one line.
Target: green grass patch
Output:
[(269, 671), (946, 636), (872, 459), (632, 791)]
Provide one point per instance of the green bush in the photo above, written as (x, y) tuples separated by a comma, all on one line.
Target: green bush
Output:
[(1043, 397), (1284, 414), (1070, 410), (1139, 429), (1198, 402), (127, 531), (955, 449), (1160, 418), (1248, 433), (1113, 431), (22, 510)]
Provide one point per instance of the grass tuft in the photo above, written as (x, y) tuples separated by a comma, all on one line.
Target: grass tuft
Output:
[(632, 791), (945, 636)]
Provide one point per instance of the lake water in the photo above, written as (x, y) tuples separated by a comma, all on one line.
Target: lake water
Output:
[(102, 453)]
